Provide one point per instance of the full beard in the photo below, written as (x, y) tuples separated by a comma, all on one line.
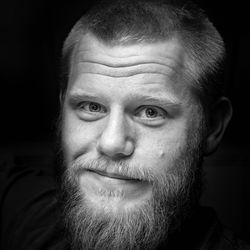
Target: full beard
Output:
[(174, 193)]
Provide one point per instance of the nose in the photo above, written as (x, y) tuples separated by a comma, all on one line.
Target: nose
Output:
[(116, 139)]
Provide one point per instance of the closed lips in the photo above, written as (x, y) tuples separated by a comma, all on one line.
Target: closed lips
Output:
[(113, 175)]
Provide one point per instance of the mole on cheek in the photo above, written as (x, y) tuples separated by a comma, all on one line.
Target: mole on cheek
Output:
[(161, 154)]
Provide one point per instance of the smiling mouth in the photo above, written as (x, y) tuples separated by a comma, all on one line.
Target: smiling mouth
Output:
[(126, 187), (113, 175)]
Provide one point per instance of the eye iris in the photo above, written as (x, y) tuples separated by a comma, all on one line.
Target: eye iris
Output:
[(151, 112), (94, 107)]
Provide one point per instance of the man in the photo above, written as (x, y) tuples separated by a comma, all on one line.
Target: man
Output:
[(140, 110)]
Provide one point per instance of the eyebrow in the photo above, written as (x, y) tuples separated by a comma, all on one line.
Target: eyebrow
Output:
[(168, 101), (76, 97)]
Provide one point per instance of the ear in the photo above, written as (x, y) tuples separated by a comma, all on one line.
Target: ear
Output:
[(218, 120)]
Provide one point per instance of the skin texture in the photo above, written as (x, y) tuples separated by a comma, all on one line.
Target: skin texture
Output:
[(126, 103), (133, 140)]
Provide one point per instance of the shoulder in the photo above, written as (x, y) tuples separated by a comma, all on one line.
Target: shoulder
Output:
[(29, 208), (229, 240), (220, 237)]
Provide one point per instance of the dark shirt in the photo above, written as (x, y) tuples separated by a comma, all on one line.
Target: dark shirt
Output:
[(29, 217)]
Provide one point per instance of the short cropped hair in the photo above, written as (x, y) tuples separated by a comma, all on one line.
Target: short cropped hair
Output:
[(125, 22)]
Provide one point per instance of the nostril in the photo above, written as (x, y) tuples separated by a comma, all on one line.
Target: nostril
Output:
[(116, 149)]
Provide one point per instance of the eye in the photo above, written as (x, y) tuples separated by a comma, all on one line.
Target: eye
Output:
[(91, 107), (151, 113), (90, 111)]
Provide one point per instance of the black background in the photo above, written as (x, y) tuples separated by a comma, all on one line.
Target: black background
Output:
[(31, 36)]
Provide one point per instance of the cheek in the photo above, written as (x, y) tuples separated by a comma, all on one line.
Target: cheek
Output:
[(159, 150), (77, 136)]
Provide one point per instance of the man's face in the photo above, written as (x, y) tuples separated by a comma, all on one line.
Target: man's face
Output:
[(129, 129)]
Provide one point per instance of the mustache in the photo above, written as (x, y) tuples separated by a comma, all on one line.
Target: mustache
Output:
[(122, 168)]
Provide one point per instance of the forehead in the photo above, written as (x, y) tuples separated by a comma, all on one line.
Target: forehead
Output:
[(166, 48), (141, 64)]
